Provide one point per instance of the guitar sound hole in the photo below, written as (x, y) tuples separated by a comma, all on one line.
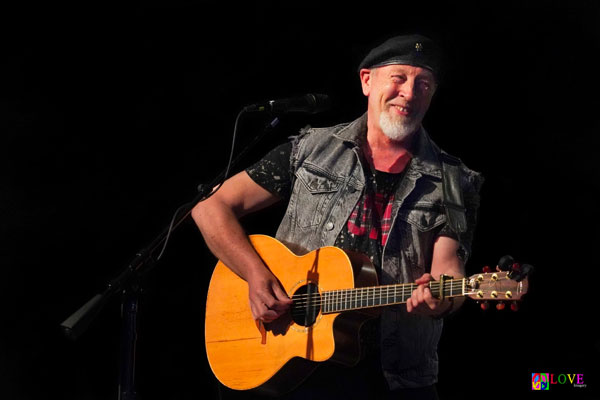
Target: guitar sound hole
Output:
[(307, 305)]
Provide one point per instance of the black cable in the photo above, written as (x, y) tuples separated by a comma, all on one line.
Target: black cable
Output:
[(226, 174), (217, 187)]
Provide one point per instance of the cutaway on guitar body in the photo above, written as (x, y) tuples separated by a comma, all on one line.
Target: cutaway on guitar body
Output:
[(286, 351)]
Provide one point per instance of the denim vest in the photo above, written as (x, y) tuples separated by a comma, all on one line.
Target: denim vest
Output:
[(329, 180)]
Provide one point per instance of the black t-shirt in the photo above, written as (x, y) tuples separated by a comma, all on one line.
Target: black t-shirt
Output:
[(368, 226)]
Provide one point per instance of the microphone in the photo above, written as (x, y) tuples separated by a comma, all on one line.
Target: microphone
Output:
[(309, 103)]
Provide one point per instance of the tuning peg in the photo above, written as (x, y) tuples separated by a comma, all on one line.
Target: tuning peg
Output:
[(526, 269), (515, 270), (505, 263), (486, 269), (500, 306), (514, 306), (519, 272), (484, 305)]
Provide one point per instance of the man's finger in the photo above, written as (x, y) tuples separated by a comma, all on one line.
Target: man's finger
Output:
[(283, 302), (429, 299), (424, 279)]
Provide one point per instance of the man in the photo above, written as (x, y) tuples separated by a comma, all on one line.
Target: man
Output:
[(375, 186)]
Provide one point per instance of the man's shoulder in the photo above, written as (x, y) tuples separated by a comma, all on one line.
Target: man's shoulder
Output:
[(469, 177), (352, 131), (324, 131)]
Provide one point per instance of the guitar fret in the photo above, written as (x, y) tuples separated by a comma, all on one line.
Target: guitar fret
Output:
[(361, 303), (347, 303), (347, 299), (333, 299), (362, 297), (402, 299)]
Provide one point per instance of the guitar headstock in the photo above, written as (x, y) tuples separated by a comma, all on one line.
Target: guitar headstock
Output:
[(501, 286)]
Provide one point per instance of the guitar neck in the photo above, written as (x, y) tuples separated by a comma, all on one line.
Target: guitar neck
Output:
[(376, 296)]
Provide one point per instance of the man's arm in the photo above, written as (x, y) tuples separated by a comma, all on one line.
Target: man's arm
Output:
[(218, 220), (445, 261)]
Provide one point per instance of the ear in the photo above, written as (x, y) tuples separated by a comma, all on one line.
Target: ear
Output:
[(365, 80)]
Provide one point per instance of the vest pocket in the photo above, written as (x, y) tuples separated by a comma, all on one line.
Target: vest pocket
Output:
[(312, 192), (423, 215)]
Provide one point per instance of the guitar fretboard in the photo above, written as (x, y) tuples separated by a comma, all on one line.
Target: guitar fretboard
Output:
[(368, 297)]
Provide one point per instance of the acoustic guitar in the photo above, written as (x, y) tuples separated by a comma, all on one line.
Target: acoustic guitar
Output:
[(334, 292)]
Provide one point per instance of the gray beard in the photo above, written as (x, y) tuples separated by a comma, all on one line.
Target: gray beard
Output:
[(395, 129)]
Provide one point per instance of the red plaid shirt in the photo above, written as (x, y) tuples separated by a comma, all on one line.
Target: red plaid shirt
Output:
[(373, 216)]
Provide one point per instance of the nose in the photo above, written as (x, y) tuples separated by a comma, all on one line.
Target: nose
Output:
[(407, 90)]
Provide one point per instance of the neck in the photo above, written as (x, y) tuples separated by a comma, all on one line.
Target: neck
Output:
[(385, 154), (377, 296)]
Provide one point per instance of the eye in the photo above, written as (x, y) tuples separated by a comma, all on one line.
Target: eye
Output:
[(398, 78), (424, 85)]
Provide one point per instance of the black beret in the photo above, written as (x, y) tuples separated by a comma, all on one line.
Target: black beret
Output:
[(415, 50)]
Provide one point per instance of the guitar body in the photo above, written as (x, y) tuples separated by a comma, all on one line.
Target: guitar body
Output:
[(244, 355)]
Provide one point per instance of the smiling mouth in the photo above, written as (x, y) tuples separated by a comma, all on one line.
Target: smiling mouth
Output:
[(402, 110)]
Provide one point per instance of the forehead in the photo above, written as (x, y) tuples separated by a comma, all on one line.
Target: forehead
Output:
[(409, 70)]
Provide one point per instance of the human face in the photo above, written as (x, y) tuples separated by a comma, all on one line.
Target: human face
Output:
[(399, 96)]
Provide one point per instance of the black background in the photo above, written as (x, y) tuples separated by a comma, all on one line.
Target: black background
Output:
[(111, 117)]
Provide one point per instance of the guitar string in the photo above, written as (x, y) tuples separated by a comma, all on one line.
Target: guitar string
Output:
[(362, 302), (374, 292), (359, 302), (347, 299), (378, 290), (343, 298), (454, 284), (299, 309)]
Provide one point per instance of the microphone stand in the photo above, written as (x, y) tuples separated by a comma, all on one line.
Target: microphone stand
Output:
[(127, 282)]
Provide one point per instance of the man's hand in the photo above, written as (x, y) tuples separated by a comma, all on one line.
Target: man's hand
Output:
[(422, 301), (268, 300)]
